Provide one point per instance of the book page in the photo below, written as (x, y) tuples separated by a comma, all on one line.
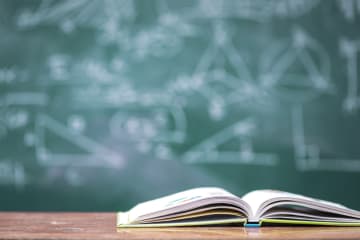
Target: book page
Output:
[(256, 198), (174, 202), (303, 213), (260, 198)]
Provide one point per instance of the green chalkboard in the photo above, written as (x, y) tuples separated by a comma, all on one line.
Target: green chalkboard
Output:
[(107, 103)]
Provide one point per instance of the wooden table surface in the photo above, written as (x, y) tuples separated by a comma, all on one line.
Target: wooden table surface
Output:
[(102, 226)]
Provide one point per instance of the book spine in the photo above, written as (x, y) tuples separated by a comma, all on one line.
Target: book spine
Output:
[(252, 225)]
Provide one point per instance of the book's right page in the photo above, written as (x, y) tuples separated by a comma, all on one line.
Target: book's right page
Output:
[(275, 206)]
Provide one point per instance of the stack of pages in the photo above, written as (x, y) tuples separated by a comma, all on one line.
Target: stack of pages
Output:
[(215, 206)]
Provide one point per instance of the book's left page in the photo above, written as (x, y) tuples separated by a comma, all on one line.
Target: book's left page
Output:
[(195, 205)]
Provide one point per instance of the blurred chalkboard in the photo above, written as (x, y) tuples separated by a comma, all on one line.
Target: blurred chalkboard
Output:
[(107, 103)]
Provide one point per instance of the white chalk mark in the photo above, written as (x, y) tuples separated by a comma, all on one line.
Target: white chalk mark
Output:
[(12, 173), (207, 151), (308, 158), (256, 10), (70, 14), (349, 8), (350, 50), (24, 99), (146, 126), (95, 154)]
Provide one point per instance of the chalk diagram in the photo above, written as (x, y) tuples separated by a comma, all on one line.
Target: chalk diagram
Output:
[(221, 75), (112, 19), (301, 86), (149, 120), (211, 71), (350, 49), (105, 17), (301, 71), (298, 73), (154, 122), (90, 154)]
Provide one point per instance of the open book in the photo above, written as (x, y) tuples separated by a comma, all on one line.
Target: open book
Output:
[(215, 206)]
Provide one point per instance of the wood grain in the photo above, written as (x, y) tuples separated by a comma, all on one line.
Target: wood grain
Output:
[(98, 226)]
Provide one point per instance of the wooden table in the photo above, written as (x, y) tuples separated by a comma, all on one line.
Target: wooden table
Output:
[(102, 226)]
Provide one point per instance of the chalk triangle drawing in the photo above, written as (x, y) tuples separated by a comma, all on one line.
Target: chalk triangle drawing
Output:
[(297, 72), (89, 152)]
